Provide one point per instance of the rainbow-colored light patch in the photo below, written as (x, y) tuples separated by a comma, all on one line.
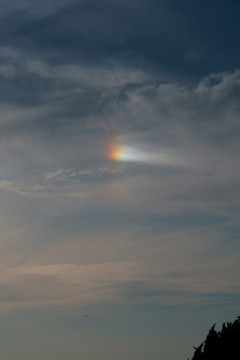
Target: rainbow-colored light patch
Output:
[(125, 153), (118, 151)]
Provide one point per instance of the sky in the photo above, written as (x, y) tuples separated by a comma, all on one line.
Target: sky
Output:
[(119, 177)]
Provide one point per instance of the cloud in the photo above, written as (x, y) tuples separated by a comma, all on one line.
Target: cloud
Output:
[(33, 8), (66, 174), (190, 131), (76, 284), (98, 31), (68, 284), (82, 228)]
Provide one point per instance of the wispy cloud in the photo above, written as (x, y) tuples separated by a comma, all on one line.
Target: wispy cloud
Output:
[(150, 220), (119, 177)]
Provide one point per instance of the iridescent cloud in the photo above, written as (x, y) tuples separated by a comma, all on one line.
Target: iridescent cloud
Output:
[(122, 152)]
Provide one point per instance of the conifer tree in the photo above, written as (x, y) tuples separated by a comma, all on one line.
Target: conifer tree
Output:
[(220, 345)]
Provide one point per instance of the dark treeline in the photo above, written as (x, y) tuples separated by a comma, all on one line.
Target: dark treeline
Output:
[(219, 345)]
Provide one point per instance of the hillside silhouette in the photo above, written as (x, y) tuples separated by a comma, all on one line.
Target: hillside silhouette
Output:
[(219, 345)]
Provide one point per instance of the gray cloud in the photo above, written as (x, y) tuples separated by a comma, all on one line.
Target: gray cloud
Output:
[(119, 177), (175, 202)]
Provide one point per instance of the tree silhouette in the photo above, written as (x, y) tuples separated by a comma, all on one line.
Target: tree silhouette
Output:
[(220, 345)]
